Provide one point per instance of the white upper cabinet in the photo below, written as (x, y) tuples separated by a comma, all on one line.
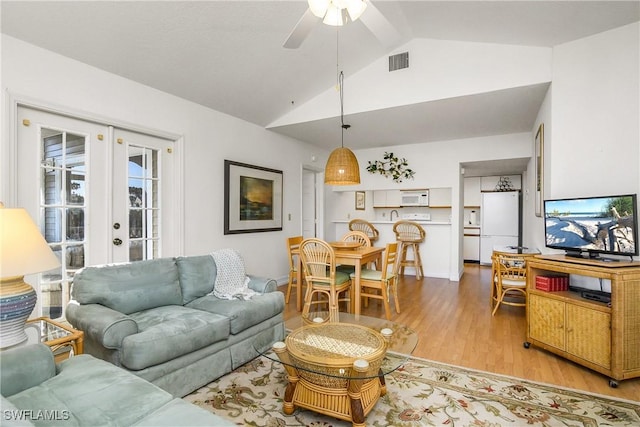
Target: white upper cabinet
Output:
[(386, 199), (472, 191), (440, 197)]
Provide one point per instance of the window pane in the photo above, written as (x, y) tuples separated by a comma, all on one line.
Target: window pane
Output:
[(75, 224), (75, 256), (135, 193), (51, 186), (75, 188), (53, 225), (74, 150), (135, 223), (136, 250)]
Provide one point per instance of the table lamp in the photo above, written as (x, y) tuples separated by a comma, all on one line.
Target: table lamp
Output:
[(23, 251)]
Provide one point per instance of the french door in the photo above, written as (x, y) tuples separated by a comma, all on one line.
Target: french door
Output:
[(97, 193)]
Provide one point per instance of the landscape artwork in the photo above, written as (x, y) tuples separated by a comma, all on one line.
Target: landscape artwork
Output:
[(252, 198), (256, 198)]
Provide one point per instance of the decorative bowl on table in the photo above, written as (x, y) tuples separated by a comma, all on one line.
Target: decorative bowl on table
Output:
[(345, 245)]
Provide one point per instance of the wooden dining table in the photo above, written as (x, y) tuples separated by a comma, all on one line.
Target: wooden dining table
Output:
[(356, 257)]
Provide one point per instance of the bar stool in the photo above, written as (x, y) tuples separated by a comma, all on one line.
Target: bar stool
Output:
[(409, 234), (366, 227)]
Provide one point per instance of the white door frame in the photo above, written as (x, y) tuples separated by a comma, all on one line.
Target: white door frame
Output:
[(9, 155)]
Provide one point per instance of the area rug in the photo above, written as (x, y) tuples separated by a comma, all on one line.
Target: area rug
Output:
[(421, 393)]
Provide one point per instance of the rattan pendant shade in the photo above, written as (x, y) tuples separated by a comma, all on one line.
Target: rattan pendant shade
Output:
[(342, 168)]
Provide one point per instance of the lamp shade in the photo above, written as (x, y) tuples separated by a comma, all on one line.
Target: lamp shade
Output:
[(342, 168), (23, 251)]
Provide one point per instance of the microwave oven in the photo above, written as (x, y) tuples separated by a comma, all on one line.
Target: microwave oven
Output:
[(414, 198)]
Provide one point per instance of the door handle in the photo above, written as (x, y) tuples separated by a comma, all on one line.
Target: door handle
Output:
[(117, 241)]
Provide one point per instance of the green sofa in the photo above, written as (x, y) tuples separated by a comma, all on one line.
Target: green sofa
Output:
[(85, 391), (159, 320)]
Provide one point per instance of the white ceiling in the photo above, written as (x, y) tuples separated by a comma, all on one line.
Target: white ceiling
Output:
[(228, 55)]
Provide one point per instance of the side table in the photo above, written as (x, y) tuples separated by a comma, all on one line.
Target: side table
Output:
[(58, 336)]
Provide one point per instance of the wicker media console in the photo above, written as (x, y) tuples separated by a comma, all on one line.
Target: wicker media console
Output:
[(603, 337)]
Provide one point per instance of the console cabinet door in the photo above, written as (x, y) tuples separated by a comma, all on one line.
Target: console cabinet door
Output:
[(547, 321), (589, 334)]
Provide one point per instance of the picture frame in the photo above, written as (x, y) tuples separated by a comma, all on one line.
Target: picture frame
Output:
[(252, 198), (539, 169), (360, 200)]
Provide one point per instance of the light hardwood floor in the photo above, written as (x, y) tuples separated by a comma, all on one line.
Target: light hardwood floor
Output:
[(455, 326)]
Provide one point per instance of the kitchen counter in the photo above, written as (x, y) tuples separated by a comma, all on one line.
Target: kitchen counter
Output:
[(374, 221), (435, 251)]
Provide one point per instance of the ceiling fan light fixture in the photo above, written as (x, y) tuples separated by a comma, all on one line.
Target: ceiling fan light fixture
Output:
[(355, 8), (319, 7), (334, 16), (342, 168)]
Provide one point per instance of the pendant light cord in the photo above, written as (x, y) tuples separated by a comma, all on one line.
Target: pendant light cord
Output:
[(340, 75)]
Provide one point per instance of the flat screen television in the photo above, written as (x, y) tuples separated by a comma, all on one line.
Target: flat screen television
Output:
[(592, 226)]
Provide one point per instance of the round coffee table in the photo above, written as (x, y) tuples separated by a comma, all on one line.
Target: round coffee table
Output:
[(338, 368)]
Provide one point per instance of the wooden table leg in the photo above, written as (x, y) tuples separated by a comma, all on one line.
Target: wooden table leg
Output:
[(280, 349), (360, 366)]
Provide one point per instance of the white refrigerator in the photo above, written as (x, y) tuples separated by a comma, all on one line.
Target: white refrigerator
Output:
[(500, 223)]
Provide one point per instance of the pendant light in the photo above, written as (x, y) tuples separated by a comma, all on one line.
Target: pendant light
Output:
[(342, 166)]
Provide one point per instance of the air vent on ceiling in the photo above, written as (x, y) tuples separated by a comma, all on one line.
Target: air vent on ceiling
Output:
[(399, 61)]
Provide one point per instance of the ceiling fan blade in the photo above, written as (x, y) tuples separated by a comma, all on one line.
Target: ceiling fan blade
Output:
[(380, 26), (301, 30)]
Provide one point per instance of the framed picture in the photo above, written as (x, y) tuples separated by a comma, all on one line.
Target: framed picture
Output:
[(360, 200), (252, 198), (539, 169)]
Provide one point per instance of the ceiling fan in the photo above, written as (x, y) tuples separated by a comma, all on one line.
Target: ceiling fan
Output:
[(340, 12)]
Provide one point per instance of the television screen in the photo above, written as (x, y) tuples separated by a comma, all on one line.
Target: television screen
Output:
[(596, 225)]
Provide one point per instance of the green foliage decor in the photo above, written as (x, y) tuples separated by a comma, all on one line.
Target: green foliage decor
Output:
[(391, 166)]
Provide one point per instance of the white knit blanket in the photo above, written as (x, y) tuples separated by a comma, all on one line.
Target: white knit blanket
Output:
[(231, 279)]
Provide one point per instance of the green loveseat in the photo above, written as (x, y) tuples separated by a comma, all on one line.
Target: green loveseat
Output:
[(159, 320), (85, 391)]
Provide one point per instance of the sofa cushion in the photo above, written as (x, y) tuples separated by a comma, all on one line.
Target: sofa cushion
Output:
[(242, 314), (91, 392), (129, 287), (197, 276), (168, 332), (179, 412)]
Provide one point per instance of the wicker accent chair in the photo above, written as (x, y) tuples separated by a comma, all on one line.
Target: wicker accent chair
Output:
[(293, 243), (322, 278), (384, 280), (510, 281), (409, 234), (366, 227)]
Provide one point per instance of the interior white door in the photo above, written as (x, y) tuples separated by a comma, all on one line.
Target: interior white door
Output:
[(309, 205)]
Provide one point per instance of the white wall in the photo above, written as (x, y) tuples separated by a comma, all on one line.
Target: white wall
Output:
[(29, 72), (594, 147)]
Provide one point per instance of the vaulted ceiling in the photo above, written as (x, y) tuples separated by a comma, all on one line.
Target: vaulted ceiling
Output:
[(228, 55)]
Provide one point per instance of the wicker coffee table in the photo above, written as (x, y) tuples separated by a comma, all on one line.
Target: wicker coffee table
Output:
[(338, 368)]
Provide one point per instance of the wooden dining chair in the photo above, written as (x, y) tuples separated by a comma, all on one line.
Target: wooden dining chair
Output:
[(293, 243), (358, 237), (510, 281), (366, 227), (322, 278), (384, 280)]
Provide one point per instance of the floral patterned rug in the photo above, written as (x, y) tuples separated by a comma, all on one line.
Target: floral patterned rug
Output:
[(421, 393)]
